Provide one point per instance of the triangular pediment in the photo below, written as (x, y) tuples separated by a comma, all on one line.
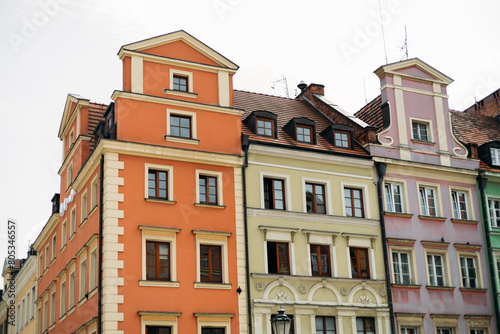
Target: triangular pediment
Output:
[(72, 101), (179, 45), (416, 69)]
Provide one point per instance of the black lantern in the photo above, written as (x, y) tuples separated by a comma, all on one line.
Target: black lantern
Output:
[(281, 323)]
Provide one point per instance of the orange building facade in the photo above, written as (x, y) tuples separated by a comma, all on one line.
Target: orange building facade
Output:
[(147, 235)]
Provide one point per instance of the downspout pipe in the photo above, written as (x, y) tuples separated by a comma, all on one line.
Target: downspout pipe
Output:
[(99, 290), (245, 143), (381, 169), (482, 182)]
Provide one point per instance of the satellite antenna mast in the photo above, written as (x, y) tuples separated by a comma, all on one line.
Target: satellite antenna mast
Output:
[(405, 47), (383, 33), (286, 85), (364, 86)]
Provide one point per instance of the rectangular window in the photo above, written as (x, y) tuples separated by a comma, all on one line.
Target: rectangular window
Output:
[(39, 322), (401, 266), (70, 175), (495, 156), (157, 184), (71, 301), (342, 139), (84, 207), (444, 331), (494, 206), (28, 307), (211, 263), (469, 275), (72, 227), (45, 313), (420, 131), (53, 308), (354, 202), (208, 189), (158, 330), (33, 298), (393, 197), (63, 234), (54, 244), (459, 200), (62, 302), (305, 133), (22, 312), (180, 126), (213, 330), (325, 325), (428, 201), (278, 261), (320, 260), (365, 325), (265, 127), (315, 198), (360, 265), (180, 83), (93, 270), (157, 260), (409, 330), (274, 194), (436, 270), (47, 254), (478, 331), (83, 279), (93, 194)]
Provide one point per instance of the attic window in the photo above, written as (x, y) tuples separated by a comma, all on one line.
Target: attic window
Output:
[(342, 139), (495, 156), (265, 127), (420, 131), (305, 133), (180, 83)]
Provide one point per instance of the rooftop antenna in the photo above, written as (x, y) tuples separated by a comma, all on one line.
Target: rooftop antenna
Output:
[(364, 86), (405, 47), (286, 85), (383, 33)]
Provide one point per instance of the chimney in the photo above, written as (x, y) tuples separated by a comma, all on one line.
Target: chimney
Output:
[(317, 89)]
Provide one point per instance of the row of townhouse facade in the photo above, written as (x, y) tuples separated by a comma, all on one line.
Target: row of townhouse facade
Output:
[(188, 206)]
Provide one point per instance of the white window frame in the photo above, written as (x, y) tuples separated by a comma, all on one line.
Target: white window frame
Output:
[(47, 254), (495, 156), (400, 251), (366, 199), (62, 297), (428, 123), (52, 310), (218, 239), (160, 234), (188, 75), (492, 214), (84, 206), (71, 290), (45, 313), (468, 202), (21, 322), (286, 182), (218, 175), (328, 198), (361, 241), (194, 132), (72, 224), (278, 234), (28, 308), (33, 299), (170, 182), (477, 266), (82, 281), (94, 191), (159, 319), (64, 233), (404, 198), (69, 174), (54, 245), (321, 238), (437, 195), (446, 265), (93, 268), (444, 322), (214, 320)]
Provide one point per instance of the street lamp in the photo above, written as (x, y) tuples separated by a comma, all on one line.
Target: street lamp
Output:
[(281, 323)]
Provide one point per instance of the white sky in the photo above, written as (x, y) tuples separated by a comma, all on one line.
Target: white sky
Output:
[(49, 48)]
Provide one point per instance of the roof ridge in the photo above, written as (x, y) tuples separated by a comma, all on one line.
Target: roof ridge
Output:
[(280, 97)]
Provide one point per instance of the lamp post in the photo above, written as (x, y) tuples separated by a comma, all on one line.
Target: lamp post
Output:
[(281, 323)]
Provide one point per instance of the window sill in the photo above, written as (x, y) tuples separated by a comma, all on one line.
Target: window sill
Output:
[(192, 141), (45, 271), (94, 209), (406, 286), (208, 285), (168, 284), (92, 292), (435, 218), (416, 141), (435, 287), (82, 301), (82, 223), (180, 93), (63, 248), (206, 205), (72, 237), (52, 326), (158, 200), (71, 310), (480, 290), (52, 261), (61, 319), (464, 221), (398, 214)]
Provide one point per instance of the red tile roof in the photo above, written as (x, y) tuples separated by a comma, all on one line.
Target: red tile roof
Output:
[(286, 109), (371, 113), (471, 128), (96, 114)]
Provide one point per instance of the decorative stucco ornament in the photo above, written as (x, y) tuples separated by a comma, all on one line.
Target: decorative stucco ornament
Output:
[(281, 281), (343, 291), (259, 286), (382, 292), (364, 300), (302, 288), (281, 296)]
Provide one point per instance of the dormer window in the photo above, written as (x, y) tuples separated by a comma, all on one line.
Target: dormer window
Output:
[(305, 133), (342, 139), (495, 156), (180, 83), (420, 131), (265, 127)]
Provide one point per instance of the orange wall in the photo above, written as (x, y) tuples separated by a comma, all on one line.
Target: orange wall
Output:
[(180, 50), (187, 217)]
